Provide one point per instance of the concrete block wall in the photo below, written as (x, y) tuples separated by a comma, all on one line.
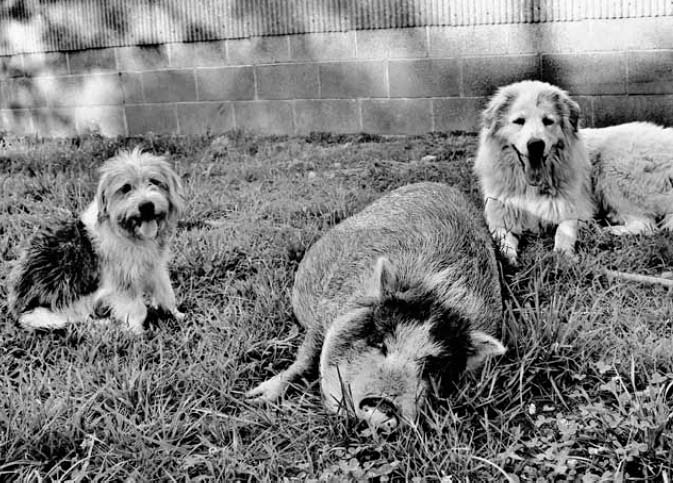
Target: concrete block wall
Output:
[(396, 81)]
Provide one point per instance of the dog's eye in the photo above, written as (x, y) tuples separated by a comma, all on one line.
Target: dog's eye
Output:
[(157, 183), (520, 121), (125, 189), (547, 121)]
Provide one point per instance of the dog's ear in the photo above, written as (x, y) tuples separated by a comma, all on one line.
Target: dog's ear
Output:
[(175, 190), (573, 113), (384, 279), (492, 116), (101, 196), (569, 109)]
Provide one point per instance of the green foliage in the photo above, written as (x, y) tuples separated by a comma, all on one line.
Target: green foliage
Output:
[(584, 393)]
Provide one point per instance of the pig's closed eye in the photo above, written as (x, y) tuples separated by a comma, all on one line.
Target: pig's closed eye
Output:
[(380, 346)]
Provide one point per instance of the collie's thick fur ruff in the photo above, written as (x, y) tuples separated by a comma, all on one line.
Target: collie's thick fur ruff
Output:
[(633, 175), (532, 167), (113, 257)]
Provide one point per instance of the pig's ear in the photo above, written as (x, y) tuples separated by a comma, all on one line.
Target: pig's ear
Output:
[(483, 347), (384, 279)]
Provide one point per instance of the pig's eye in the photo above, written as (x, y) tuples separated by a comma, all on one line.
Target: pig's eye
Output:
[(381, 346)]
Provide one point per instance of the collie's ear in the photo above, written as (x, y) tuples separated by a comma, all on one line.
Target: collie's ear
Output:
[(573, 113), (493, 115), (568, 109)]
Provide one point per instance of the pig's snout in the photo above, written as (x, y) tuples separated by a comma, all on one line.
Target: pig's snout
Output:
[(380, 412)]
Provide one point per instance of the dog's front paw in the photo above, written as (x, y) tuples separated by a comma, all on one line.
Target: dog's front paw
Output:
[(268, 391), (507, 244), (136, 327), (567, 252), (511, 257), (509, 254), (177, 315)]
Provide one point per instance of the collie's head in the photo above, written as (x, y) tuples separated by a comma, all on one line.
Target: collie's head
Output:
[(537, 122), (138, 195)]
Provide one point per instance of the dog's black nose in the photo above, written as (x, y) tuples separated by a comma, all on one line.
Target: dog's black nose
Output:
[(535, 148), (146, 209)]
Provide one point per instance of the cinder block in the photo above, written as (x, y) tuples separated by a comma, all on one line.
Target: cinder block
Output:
[(105, 120), (269, 117), (586, 74), (650, 72), (323, 46), (225, 83), (352, 79), (11, 66), (82, 61), (259, 50), (627, 34), (45, 63), (332, 115), (205, 117), (77, 90), (608, 110), (397, 116), (92, 89), (22, 92), (156, 118), (17, 122), (483, 75), (51, 91), (54, 122), (169, 85), (405, 43), (424, 78), (523, 38), (144, 57), (4, 95), (557, 37), (198, 54), (132, 87), (287, 81), (458, 114), (458, 41)]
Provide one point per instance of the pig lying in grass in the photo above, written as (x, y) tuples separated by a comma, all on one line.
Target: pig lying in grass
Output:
[(401, 295)]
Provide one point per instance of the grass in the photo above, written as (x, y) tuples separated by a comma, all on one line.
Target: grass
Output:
[(585, 392)]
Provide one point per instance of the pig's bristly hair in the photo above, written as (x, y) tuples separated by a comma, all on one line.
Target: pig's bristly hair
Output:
[(416, 306)]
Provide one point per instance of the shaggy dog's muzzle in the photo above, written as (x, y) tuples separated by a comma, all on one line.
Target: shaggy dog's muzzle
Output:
[(146, 220)]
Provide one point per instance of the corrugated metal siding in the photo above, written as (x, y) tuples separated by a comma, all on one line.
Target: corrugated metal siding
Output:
[(41, 25)]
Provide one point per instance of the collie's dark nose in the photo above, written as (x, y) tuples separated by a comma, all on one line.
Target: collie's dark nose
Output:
[(535, 149)]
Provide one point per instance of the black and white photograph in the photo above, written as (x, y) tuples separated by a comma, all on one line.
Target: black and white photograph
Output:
[(336, 241)]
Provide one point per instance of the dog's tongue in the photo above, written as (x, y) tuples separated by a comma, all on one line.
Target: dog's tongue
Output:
[(149, 228)]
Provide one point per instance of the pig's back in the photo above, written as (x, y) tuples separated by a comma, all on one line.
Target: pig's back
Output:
[(423, 229)]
